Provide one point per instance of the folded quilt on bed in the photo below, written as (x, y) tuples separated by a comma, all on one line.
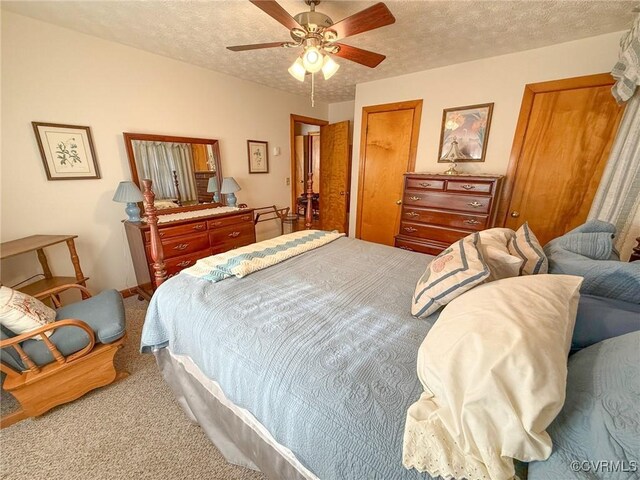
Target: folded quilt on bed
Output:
[(587, 251), (252, 258)]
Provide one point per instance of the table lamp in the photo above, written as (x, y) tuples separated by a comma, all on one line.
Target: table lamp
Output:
[(229, 187), (212, 187), (129, 193)]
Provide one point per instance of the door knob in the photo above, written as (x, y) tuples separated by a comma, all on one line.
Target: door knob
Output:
[(515, 214), (341, 193), (398, 202)]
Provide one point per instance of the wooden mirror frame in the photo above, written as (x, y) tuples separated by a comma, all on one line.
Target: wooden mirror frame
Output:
[(128, 141)]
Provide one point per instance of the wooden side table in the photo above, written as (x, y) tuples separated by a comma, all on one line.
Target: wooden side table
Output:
[(39, 243)]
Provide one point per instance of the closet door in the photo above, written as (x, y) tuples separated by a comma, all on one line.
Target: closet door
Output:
[(562, 143), (334, 176), (388, 145)]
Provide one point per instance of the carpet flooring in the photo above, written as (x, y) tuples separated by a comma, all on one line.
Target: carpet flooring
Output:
[(132, 429)]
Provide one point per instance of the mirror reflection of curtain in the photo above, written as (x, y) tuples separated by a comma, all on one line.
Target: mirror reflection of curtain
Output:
[(158, 160)]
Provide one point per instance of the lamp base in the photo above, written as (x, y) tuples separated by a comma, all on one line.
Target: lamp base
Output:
[(133, 212), (216, 197), (231, 199), (452, 170)]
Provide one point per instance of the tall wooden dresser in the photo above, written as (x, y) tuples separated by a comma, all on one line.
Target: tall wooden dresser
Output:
[(186, 241), (438, 210)]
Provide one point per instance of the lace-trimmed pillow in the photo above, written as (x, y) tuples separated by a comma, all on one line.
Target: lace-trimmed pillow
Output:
[(526, 246), (22, 313), (457, 269)]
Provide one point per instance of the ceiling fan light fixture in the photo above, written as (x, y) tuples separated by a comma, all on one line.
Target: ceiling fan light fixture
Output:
[(330, 36), (312, 60), (297, 70), (329, 67)]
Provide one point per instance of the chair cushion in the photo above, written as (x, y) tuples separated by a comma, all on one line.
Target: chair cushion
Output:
[(9, 354), (104, 313)]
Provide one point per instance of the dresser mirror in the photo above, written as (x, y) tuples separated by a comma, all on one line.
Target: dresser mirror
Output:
[(179, 167)]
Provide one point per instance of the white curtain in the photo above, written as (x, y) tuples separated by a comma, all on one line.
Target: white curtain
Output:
[(158, 160), (618, 197)]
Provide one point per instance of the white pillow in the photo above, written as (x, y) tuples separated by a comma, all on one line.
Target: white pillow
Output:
[(457, 269), (494, 370), (495, 251), (22, 313), (526, 246)]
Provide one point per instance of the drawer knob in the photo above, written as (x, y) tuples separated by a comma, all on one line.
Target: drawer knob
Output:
[(425, 184), (198, 227), (184, 263), (407, 248), (415, 197), (468, 187), (181, 246), (474, 204), (234, 234), (161, 234), (410, 229), (245, 218), (413, 214), (217, 224), (471, 221)]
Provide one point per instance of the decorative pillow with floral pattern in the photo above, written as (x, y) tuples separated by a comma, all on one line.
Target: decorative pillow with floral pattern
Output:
[(457, 269), (21, 313)]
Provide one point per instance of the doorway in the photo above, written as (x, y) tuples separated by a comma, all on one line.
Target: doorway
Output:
[(388, 146), (321, 150)]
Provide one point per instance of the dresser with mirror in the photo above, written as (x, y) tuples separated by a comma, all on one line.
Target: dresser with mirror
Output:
[(191, 225)]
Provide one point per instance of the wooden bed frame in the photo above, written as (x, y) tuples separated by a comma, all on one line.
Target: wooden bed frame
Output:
[(151, 213)]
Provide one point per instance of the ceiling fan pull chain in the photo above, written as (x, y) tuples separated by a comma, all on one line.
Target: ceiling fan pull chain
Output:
[(313, 90)]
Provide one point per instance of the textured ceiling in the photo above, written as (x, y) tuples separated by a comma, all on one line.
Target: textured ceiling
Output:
[(426, 34)]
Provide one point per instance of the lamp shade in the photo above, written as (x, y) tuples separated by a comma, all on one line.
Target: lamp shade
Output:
[(212, 186), (229, 185), (127, 192)]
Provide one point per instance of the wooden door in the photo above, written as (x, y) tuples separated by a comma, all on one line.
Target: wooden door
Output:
[(299, 176), (388, 145), (561, 146), (335, 168)]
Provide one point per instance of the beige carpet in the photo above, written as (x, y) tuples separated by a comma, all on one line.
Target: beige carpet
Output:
[(132, 429)]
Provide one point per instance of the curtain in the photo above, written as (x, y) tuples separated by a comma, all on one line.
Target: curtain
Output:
[(158, 160), (618, 197)]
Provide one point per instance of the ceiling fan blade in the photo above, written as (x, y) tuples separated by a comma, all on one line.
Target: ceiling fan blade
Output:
[(358, 55), (368, 19), (256, 46), (275, 11)]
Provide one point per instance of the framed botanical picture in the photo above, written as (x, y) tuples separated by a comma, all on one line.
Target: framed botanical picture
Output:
[(465, 132), (258, 156), (67, 151)]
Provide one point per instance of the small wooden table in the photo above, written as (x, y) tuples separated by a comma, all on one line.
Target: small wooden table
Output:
[(38, 243)]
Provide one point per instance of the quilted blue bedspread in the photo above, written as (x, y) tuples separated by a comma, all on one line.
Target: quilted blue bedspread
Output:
[(321, 348)]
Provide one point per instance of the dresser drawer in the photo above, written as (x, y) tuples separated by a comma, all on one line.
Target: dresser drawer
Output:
[(448, 201), (174, 247), (424, 183), (430, 248), (232, 220), (446, 219), (470, 187), (169, 232), (432, 232), (174, 265), (233, 234)]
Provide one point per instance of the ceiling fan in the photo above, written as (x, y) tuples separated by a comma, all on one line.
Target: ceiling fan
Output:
[(318, 35)]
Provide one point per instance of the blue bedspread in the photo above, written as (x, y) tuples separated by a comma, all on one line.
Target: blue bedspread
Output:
[(321, 348)]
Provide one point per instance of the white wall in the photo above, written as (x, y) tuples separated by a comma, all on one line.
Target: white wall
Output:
[(339, 112), (498, 79), (51, 74)]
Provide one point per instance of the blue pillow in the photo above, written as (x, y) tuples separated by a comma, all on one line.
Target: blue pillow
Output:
[(600, 318), (595, 436)]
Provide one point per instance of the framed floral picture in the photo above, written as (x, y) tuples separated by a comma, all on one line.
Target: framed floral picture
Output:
[(258, 156), (67, 151), (465, 132)]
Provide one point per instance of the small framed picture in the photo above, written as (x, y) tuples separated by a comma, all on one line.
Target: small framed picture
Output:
[(67, 151), (258, 156), (465, 132)]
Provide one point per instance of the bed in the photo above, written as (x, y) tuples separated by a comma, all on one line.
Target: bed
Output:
[(302, 370)]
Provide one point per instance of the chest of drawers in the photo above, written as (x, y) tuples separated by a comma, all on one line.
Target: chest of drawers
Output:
[(438, 210), (186, 241)]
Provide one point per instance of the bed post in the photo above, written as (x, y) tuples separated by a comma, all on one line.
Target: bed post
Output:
[(159, 271), (635, 252), (308, 214)]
